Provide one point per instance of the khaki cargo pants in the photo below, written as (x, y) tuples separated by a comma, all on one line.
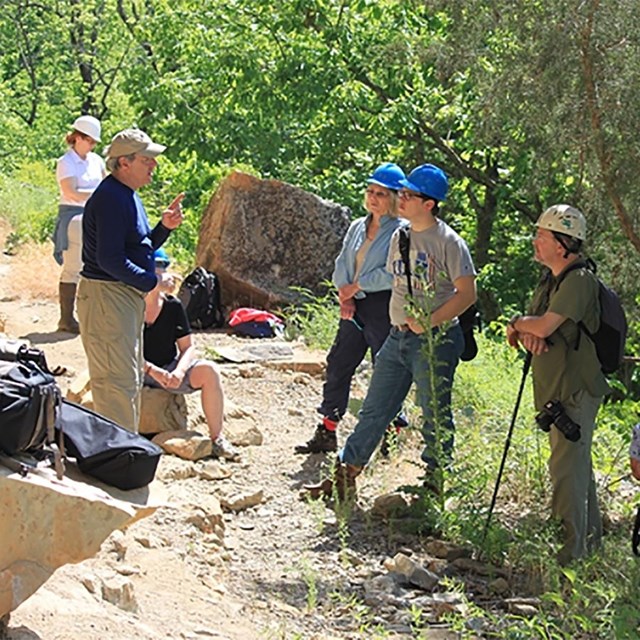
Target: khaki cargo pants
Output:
[(111, 316)]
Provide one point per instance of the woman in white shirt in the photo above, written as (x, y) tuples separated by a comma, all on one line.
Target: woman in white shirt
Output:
[(79, 171)]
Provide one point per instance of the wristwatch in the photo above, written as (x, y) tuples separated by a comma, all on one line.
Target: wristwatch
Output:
[(514, 319)]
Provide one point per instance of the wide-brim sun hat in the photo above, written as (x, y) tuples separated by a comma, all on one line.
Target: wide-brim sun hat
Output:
[(132, 141), (387, 175), (428, 180)]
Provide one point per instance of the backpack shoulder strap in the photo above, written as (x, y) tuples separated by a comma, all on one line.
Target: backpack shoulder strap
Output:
[(635, 536), (591, 266), (588, 263), (404, 245)]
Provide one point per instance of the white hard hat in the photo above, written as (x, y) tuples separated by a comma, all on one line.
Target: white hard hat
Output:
[(89, 126), (564, 218)]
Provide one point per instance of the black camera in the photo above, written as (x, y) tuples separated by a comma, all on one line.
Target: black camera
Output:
[(553, 413)]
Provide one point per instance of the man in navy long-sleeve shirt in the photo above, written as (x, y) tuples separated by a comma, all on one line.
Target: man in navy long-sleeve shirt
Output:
[(118, 271)]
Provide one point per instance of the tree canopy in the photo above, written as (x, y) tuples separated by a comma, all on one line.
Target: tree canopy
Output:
[(524, 104)]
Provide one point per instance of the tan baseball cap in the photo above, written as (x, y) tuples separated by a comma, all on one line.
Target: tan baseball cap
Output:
[(131, 141)]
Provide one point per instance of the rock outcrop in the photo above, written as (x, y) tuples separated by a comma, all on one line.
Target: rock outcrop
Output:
[(46, 523), (262, 237), (189, 445), (162, 411)]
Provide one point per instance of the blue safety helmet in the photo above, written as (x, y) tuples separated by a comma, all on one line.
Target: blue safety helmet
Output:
[(161, 258), (387, 175), (428, 180)]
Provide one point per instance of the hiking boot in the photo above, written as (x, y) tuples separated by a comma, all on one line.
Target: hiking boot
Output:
[(222, 448), (322, 441), (341, 484), (67, 298)]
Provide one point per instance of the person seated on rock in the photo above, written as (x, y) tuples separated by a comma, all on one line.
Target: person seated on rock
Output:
[(170, 362), (634, 452)]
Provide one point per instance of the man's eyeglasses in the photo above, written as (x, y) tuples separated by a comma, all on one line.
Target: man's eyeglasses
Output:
[(409, 195)]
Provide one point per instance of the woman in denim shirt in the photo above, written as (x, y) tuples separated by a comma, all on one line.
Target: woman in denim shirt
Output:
[(364, 290)]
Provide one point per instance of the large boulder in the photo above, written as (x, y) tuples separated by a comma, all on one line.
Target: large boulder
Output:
[(46, 523), (262, 237)]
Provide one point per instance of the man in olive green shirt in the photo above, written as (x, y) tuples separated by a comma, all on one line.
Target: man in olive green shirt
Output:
[(566, 370)]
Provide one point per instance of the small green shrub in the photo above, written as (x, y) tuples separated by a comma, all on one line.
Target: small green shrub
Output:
[(314, 318)]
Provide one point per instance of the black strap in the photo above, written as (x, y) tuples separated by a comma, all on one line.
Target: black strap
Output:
[(635, 537), (15, 465), (404, 245), (587, 263), (590, 265), (20, 351)]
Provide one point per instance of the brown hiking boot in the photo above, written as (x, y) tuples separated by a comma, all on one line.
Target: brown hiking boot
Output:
[(322, 441), (67, 297), (342, 483)]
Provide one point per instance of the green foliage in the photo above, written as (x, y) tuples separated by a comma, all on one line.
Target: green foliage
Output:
[(29, 201), (593, 599), (315, 318), (319, 93)]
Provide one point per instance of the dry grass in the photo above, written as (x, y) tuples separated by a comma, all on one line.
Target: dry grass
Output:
[(34, 272), (5, 229)]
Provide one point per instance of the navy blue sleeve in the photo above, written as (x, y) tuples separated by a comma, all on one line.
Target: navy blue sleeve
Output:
[(159, 235), (124, 241)]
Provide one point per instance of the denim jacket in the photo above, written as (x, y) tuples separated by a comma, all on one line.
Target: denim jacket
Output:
[(373, 274)]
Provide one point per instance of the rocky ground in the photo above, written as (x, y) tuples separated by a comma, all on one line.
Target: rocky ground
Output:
[(267, 564)]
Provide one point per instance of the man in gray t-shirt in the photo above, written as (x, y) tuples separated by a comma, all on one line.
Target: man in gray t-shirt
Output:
[(425, 338), (438, 257)]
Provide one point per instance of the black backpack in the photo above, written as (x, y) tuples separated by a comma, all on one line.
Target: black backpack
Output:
[(469, 319), (30, 402), (200, 296), (611, 335)]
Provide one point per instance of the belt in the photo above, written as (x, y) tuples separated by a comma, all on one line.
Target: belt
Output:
[(404, 328)]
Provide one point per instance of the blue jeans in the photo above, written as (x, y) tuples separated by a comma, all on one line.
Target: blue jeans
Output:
[(400, 362)]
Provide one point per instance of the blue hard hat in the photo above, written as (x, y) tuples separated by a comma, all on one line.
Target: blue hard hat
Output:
[(428, 180), (161, 258), (387, 175)]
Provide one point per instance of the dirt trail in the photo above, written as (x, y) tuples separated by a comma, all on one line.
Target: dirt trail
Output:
[(280, 570)]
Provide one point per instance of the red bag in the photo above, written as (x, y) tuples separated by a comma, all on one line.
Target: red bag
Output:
[(255, 323), (247, 314)]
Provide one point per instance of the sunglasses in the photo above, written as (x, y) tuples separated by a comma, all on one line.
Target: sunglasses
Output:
[(374, 193)]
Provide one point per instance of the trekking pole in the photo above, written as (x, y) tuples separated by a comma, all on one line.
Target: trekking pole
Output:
[(507, 444)]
